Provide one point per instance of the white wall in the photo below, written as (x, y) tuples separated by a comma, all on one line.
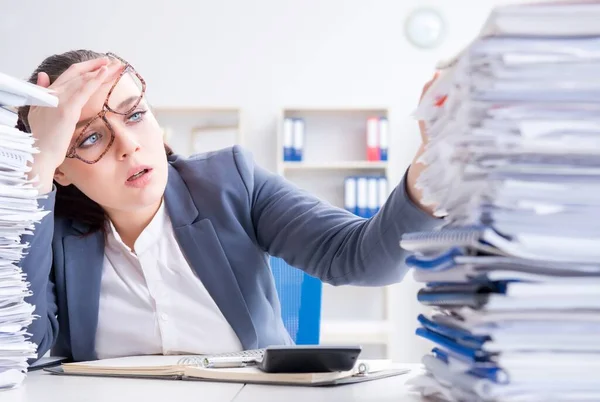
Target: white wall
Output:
[(259, 55)]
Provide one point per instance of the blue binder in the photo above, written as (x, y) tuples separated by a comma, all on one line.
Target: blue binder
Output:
[(475, 354), (362, 197), (384, 129), (350, 194), (300, 299), (298, 140), (288, 139), (372, 196)]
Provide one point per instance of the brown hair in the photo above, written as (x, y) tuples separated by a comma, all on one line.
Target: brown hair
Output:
[(71, 203)]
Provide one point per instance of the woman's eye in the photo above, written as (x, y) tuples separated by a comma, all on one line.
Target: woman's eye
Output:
[(137, 116), (90, 140)]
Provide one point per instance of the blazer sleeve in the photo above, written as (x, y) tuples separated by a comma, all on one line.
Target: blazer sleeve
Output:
[(325, 241), (37, 266)]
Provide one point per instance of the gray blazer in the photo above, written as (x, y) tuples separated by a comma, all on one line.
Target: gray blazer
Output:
[(228, 215)]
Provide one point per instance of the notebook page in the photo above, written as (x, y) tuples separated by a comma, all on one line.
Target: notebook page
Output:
[(148, 361), (251, 374)]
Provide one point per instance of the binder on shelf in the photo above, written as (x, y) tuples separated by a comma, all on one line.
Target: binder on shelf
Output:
[(373, 153), (350, 192), (298, 140), (372, 197), (384, 128), (288, 139), (365, 195), (362, 188)]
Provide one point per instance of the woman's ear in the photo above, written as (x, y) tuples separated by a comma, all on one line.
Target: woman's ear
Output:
[(61, 178)]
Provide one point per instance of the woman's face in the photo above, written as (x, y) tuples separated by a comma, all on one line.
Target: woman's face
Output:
[(132, 174)]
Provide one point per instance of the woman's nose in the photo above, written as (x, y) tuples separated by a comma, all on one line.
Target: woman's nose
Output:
[(126, 142)]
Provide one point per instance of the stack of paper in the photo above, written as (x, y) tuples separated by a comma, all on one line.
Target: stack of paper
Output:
[(18, 213), (513, 275)]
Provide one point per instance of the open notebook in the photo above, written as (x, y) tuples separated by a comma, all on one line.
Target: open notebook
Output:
[(190, 368)]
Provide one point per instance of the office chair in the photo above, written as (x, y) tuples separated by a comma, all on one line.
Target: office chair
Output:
[(300, 296)]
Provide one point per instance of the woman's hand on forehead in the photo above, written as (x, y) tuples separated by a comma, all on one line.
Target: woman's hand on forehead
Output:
[(54, 127), (80, 70)]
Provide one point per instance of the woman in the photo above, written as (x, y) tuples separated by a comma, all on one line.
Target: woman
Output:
[(146, 252)]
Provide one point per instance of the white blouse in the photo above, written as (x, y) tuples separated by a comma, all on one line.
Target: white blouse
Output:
[(152, 302)]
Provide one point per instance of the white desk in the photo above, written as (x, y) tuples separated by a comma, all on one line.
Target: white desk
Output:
[(42, 386), (387, 389)]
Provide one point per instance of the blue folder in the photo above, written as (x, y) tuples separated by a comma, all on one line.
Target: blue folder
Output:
[(473, 353), (438, 262), (459, 335), (487, 370)]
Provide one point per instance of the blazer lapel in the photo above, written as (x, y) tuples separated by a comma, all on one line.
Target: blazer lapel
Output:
[(200, 244), (83, 274)]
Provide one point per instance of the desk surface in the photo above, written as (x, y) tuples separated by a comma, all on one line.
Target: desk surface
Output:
[(42, 386), (386, 389)]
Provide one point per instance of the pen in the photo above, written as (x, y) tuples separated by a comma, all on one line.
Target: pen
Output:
[(227, 362)]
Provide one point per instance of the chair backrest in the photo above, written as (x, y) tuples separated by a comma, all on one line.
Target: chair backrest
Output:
[(300, 297)]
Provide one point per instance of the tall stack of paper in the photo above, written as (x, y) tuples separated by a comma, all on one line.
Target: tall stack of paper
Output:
[(18, 213), (513, 274)]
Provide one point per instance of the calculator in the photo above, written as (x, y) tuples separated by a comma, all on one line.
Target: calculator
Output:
[(308, 358)]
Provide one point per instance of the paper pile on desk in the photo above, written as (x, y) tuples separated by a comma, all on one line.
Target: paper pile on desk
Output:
[(514, 169), (18, 213)]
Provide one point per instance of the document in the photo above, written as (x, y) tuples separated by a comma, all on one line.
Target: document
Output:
[(18, 214), (512, 275)]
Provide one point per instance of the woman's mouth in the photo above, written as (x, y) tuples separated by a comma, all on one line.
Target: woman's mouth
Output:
[(139, 177)]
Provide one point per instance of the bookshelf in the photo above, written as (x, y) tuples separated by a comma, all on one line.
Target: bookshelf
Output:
[(341, 165), (191, 130), (335, 147)]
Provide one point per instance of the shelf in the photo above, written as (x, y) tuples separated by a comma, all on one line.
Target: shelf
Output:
[(355, 331), (194, 109), (335, 110), (335, 165), (213, 128)]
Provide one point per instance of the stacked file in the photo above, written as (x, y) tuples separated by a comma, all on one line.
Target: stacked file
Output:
[(18, 213), (513, 273)]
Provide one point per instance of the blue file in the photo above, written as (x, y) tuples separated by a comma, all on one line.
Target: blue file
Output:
[(288, 139), (372, 196), (350, 194), (362, 198), (487, 370), (435, 262), (298, 140), (384, 128), (447, 343), (459, 335)]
